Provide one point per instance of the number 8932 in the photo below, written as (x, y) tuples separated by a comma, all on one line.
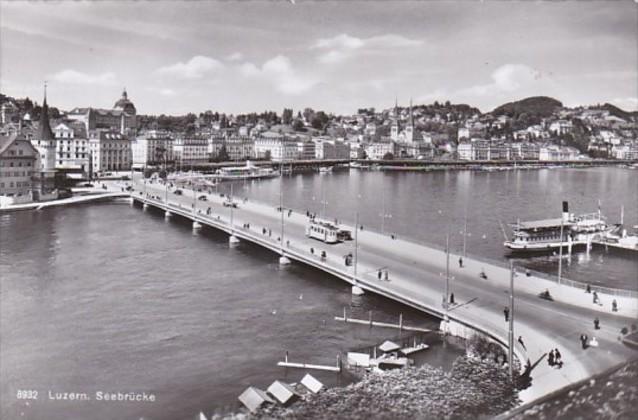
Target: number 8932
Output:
[(29, 394)]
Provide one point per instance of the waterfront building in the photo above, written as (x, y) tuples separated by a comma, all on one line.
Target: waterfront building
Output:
[(275, 146), (110, 150), (553, 153), (121, 118), (18, 168), (628, 151), (306, 150), (152, 147), (328, 148), (192, 149), (377, 150), (481, 149), (72, 150), (524, 151), (239, 147)]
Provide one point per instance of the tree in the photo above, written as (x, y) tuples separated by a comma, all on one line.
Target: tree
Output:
[(319, 120), (286, 116), (388, 156), (298, 125), (223, 154)]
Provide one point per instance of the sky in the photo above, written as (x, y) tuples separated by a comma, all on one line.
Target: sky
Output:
[(175, 57)]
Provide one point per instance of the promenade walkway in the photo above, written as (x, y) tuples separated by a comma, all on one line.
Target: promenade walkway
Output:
[(416, 278)]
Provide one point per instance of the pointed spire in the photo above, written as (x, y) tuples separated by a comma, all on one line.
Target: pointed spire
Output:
[(124, 94), (44, 130), (411, 121)]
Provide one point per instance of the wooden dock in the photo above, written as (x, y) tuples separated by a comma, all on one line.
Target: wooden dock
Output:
[(329, 368), (372, 323)]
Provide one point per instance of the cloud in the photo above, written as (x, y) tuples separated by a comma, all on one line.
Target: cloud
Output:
[(78, 78), (236, 56), (344, 46), (629, 103), (279, 72), (507, 78), (195, 68)]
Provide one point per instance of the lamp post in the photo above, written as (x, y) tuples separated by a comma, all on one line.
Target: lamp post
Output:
[(447, 278), (283, 260), (384, 215), (511, 322)]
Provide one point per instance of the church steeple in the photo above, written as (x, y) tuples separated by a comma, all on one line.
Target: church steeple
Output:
[(44, 129), (411, 121)]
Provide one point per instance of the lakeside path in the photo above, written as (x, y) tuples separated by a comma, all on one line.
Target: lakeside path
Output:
[(78, 199)]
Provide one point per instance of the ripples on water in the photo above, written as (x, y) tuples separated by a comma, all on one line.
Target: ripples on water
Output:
[(106, 297)]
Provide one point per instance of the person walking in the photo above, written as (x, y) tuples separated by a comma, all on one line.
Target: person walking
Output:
[(596, 323), (460, 262), (588, 290), (452, 298), (379, 275), (506, 312), (550, 358), (595, 297), (614, 306), (520, 340), (558, 358)]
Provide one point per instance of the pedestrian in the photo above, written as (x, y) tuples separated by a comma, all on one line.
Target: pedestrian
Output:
[(520, 340), (379, 275), (386, 278), (595, 297), (269, 232), (460, 262), (583, 340), (596, 323), (550, 358), (312, 251), (558, 358), (392, 236), (452, 298), (506, 312), (588, 290), (288, 244), (614, 306)]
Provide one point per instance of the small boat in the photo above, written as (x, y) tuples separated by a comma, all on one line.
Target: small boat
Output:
[(325, 169)]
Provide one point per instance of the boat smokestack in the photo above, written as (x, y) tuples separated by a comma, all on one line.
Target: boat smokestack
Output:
[(565, 212)]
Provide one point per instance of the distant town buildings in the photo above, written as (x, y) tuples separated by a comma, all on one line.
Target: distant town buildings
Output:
[(110, 151), (121, 118)]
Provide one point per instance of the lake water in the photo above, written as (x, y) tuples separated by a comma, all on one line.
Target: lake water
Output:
[(109, 298)]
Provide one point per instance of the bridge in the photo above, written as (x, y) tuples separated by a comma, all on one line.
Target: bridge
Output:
[(416, 277)]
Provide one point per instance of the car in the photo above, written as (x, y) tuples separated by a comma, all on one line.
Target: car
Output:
[(88, 185), (230, 204), (178, 192), (202, 198)]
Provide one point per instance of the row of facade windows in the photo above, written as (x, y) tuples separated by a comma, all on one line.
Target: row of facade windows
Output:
[(16, 173), (15, 185), (11, 164)]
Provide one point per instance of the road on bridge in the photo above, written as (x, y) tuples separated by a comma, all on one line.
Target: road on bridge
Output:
[(418, 272)]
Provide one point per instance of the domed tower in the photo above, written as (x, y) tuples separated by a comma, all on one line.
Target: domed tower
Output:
[(128, 121)]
